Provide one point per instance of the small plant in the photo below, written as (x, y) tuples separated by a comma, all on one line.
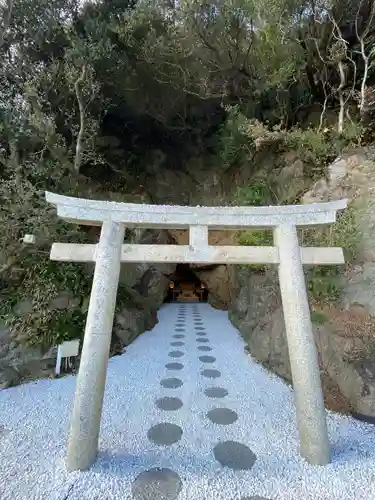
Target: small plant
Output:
[(324, 282), (318, 317), (256, 194)]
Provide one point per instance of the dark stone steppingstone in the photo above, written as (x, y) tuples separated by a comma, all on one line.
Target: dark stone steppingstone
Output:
[(202, 340), (254, 498), (176, 354), (208, 373), (169, 404), (201, 333), (165, 434), (174, 366), (234, 455), (171, 383), (207, 359), (204, 348), (216, 392), (199, 328), (222, 416), (179, 336), (157, 484), (179, 330), (177, 344)]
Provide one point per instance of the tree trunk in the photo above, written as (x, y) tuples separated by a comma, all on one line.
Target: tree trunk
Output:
[(81, 106)]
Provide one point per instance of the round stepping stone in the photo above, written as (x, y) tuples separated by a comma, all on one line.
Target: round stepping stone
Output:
[(211, 373), (202, 340), (180, 324), (171, 383), (169, 404), (179, 336), (198, 323), (177, 344), (179, 329), (175, 354), (216, 392), (204, 348), (201, 333), (152, 484), (254, 498), (174, 366), (207, 359), (234, 455), (199, 329), (164, 434), (222, 416)]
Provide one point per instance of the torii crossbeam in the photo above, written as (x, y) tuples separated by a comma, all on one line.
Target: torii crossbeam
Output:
[(111, 251)]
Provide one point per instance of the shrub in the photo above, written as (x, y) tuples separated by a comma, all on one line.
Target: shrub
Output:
[(324, 282)]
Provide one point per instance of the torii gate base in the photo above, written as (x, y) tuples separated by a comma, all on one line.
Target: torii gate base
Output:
[(110, 252)]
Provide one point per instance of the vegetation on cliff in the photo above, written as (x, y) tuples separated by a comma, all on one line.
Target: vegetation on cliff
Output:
[(95, 96)]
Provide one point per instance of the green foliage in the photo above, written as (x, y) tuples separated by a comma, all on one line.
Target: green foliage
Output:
[(176, 80), (318, 317), (317, 148), (324, 282), (256, 194)]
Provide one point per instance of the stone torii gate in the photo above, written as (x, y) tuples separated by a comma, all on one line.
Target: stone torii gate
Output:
[(111, 251)]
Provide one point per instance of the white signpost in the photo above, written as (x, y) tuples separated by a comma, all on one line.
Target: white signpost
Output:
[(110, 252)]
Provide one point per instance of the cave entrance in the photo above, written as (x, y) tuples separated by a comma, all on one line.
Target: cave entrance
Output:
[(185, 286)]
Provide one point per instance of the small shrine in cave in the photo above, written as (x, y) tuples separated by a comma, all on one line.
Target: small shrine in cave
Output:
[(186, 287)]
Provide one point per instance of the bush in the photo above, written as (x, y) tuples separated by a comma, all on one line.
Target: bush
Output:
[(324, 282)]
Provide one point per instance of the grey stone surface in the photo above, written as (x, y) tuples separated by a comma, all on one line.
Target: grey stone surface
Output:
[(204, 348), (216, 392), (171, 383), (236, 456), (174, 366), (176, 354), (202, 340), (157, 484), (165, 434), (199, 329), (9, 376), (178, 336), (169, 404), (180, 330), (308, 393), (222, 416), (140, 215), (201, 333), (87, 409), (207, 359), (208, 373), (177, 344), (23, 307)]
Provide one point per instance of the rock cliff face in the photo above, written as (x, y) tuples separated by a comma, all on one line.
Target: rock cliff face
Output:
[(346, 337), (144, 287)]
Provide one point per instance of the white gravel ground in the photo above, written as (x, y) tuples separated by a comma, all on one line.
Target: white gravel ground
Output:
[(34, 422)]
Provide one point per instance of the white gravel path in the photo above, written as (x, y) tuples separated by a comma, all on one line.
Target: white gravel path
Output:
[(34, 421)]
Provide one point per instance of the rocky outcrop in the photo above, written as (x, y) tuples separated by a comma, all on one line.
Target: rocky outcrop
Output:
[(143, 288), (345, 332)]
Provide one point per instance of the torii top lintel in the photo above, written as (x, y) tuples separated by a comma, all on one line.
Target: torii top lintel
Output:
[(94, 212)]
